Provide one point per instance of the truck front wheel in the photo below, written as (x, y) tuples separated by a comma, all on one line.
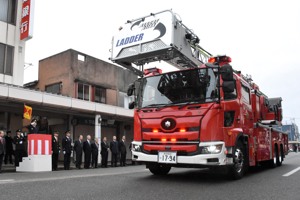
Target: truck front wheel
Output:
[(158, 169), (237, 170)]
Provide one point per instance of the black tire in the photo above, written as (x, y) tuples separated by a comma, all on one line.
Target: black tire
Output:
[(274, 162), (159, 169), (238, 169), (279, 157)]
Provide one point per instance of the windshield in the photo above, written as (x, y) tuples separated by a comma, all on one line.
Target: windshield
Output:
[(189, 86)]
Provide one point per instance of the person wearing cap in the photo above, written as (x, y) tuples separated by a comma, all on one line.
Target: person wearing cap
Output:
[(2, 148), (9, 148), (19, 141), (32, 127), (67, 149), (55, 150)]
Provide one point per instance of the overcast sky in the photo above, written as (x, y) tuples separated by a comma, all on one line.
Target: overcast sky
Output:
[(261, 37)]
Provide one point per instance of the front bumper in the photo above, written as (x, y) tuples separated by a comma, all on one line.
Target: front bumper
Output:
[(198, 159)]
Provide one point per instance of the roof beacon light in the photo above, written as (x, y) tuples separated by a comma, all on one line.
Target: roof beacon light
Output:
[(221, 60)]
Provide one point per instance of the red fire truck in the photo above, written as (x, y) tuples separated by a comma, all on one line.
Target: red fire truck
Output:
[(205, 114)]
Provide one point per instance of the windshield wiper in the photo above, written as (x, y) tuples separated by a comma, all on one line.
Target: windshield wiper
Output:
[(154, 105), (189, 103), (195, 102), (169, 104)]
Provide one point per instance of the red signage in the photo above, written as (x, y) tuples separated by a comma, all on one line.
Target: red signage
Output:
[(26, 20)]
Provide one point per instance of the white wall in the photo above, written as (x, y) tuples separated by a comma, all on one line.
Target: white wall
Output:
[(12, 38)]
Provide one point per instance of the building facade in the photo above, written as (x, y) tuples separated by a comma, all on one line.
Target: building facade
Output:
[(293, 134), (86, 80), (75, 74), (74, 92), (12, 48)]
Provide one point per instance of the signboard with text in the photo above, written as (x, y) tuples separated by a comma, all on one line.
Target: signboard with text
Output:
[(26, 27)]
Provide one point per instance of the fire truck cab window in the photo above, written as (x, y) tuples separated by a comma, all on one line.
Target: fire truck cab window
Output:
[(246, 94), (196, 85)]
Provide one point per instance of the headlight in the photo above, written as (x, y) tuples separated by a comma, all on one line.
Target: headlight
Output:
[(136, 147), (212, 149)]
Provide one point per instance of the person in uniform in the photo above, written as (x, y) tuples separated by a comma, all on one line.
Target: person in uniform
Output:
[(55, 150), (104, 152), (32, 127), (78, 147), (114, 148), (67, 149), (2, 148), (122, 148), (95, 149), (9, 148), (87, 149), (20, 152)]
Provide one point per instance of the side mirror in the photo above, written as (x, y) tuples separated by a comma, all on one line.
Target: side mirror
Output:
[(227, 73), (131, 105), (228, 86), (130, 90)]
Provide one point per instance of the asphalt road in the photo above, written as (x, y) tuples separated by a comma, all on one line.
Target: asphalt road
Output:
[(135, 182)]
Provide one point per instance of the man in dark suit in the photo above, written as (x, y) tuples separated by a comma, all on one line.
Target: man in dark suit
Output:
[(20, 152), (9, 148), (2, 148), (67, 149), (95, 153), (32, 127), (78, 147), (104, 152), (122, 148), (55, 150), (87, 149), (114, 148)]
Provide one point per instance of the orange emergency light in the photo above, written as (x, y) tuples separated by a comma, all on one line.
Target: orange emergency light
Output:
[(219, 60)]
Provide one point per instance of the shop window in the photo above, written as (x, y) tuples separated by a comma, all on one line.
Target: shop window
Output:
[(6, 59)]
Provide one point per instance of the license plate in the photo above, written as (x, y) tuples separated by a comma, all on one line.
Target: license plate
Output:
[(167, 157)]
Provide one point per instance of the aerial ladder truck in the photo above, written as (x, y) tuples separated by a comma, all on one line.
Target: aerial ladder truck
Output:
[(205, 114)]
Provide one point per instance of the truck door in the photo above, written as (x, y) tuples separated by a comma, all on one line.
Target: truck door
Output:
[(246, 110)]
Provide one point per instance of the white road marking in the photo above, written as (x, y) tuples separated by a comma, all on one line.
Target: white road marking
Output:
[(7, 180), (291, 172), (66, 177)]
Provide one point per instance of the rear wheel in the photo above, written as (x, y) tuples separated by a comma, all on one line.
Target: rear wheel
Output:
[(274, 162), (158, 169), (279, 157), (237, 170)]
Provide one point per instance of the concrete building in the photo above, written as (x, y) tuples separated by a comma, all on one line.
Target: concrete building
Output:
[(80, 76), (12, 47), (75, 74), (293, 134)]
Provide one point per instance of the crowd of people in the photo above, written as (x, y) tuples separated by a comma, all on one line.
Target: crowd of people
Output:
[(6, 147), (82, 148), (89, 150)]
